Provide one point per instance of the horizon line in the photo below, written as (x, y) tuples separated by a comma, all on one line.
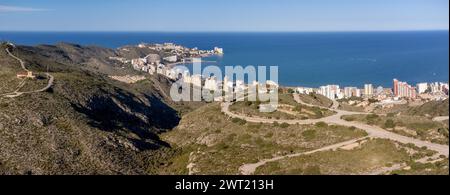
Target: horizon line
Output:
[(158, 31)]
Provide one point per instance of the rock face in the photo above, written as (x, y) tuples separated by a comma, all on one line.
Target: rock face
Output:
[(86, 123)]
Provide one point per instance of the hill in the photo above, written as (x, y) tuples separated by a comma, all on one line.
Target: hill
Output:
[(85, 123), (430, 109)]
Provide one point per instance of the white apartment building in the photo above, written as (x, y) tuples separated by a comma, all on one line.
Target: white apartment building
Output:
[(171, 58), (422, 87), (330, 91), (211, 84), (304, 90), (368, 90), (352, 92), (196, 80)]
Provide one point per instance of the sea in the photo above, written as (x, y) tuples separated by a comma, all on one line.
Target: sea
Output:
[(309, 59)]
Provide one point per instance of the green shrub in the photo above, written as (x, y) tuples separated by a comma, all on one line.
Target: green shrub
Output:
[(309, 134), (3, 105), (371, 116), (291, 91), (284, 125), (349, 118), (269, 135), (276, 124), (298, 108), (312, 170), (321, 125), (238, 121), (444, 132), (389, 124)]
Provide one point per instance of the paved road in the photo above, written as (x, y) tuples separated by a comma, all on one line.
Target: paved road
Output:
[(372, 131), (17, 92)]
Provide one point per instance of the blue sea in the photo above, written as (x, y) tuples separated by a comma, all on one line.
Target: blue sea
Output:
[(304, 59)]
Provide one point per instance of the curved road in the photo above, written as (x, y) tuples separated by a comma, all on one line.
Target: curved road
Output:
[(372, 131), (16, 93), (440, 118), (249, 169)]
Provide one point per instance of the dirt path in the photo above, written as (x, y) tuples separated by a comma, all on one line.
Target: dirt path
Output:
[(17, 92), (372, 131), (440, 118), (248, 169)]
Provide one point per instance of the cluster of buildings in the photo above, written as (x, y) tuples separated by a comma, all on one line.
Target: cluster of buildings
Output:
[(181, 51), (400, 90), (404, 90), (213, 83), (335, 92), (154, 63), (436, 90)]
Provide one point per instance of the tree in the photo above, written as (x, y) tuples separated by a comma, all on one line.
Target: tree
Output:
[(284, 125), (389, 124), (291, 91)]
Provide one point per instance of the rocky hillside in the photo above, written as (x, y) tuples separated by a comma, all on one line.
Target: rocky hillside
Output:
[(430, 109), (85, 123)]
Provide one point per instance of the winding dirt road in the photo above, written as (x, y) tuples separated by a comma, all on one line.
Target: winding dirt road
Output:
[(249, 169), (372, 131), (17, 92)]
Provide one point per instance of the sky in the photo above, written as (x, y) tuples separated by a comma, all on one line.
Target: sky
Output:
[(223, 15)]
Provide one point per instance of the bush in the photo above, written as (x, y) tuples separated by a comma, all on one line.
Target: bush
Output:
[(349, 118), (389, 124), (371, 117), (291, 91), (312, 170), (309, 134), (276, 124), (269, 135), (238, 121), (3, 105), (297, 108), (444, 132), (373, 101), (284, 125), (321, 124)]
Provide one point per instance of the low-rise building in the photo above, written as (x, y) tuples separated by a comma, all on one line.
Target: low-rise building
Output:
[(304, 90), (171, 59), (218, 50), (27, 74)]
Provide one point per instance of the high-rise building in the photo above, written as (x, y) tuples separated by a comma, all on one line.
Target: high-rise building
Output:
[(351, 92), (395, 88), (422, 87), (379, 90), (368, 90), (403, 89), (330, 91)]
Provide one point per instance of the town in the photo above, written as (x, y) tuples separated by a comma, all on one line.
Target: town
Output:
[(400, 93)]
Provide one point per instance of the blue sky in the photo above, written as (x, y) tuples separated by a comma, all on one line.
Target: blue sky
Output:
[(223, 15)]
